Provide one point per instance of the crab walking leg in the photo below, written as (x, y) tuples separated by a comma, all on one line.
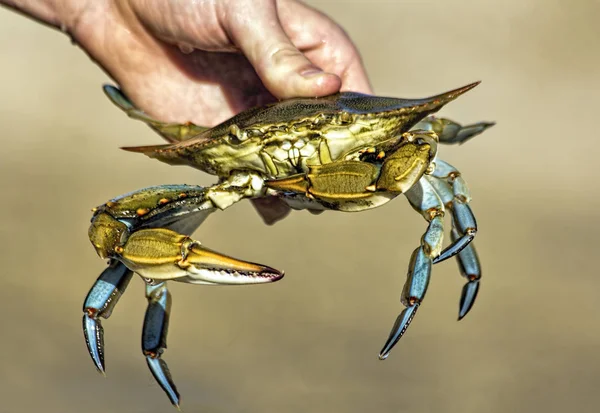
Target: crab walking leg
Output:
[(100, 302), (465, 221), (470, 268), (172, 132), (468, 261), (450, 132), (424, 199), (457, 197), (154, 337)]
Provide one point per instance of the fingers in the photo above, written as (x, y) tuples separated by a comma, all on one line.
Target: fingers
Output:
[(325, 43), (256, 29), (294, 49)]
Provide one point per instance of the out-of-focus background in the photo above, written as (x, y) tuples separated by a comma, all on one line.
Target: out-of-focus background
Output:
[(309, 343)]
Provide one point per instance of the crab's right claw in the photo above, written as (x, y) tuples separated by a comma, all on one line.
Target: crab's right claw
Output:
[(162, 254), (100, 302)]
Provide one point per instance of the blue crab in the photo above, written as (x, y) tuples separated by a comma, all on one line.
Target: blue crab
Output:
[(345, 152)]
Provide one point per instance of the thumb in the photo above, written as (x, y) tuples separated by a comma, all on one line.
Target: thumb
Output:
[(285, 71)]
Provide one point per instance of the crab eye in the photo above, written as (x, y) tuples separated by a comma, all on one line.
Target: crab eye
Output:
[(234, 139)]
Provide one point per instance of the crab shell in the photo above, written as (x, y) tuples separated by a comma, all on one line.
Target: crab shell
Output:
[(290, 136)]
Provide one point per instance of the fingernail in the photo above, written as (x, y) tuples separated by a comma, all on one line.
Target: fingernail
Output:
[(311, 71)]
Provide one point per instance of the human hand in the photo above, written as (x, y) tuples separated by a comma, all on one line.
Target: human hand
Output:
[(203, 61)]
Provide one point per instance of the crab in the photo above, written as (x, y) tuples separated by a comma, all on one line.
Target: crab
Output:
[(345, 152)]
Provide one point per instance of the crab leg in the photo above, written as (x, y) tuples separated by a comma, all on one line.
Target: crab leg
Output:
[(154, 337), (465, 220), (470, 268), (172, 132), (100, 302), (423, 198), (457, 197), (450, 132)]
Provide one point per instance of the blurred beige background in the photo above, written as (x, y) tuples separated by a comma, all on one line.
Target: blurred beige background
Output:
[(309, 343)]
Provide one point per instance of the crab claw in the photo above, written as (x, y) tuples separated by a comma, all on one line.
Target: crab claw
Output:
[(207, 266), (161, 254)]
